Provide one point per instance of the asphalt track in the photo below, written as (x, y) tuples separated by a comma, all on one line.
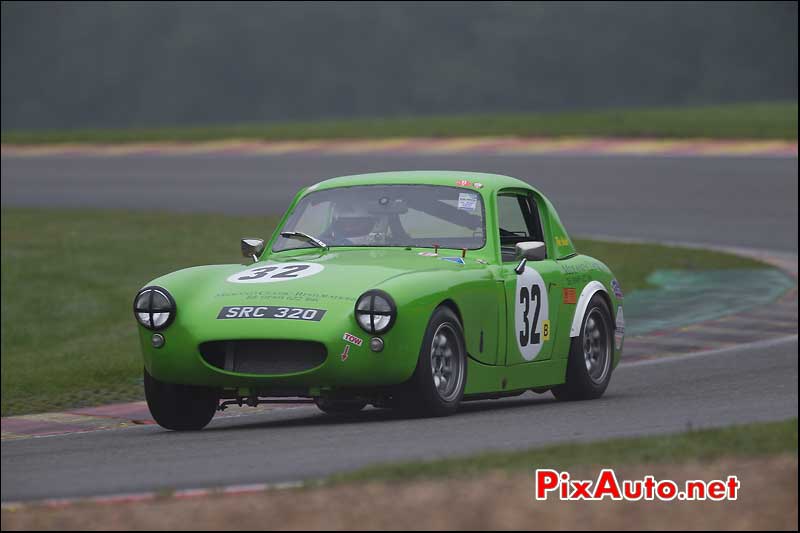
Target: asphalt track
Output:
[(738, 201), (733, 201), (291, 444)]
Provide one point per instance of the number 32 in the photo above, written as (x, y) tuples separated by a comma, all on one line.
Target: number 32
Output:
[(528, 333)]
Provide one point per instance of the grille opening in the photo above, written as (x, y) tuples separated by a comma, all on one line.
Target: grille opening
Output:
[(272, 357)]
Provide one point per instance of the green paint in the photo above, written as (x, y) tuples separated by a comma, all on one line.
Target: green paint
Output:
[(418, 284), (59, 269)]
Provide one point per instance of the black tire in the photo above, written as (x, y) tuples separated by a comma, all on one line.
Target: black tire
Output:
[(583, 383), (339, 407), (180, 407), (422, 397)]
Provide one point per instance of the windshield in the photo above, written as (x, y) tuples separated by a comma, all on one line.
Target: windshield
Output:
[(389, 215)]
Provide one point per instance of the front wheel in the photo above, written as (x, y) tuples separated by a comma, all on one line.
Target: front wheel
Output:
[(437, 386), (180, 407), (590, 355)]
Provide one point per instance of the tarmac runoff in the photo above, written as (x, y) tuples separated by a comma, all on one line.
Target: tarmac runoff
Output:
[(693, 312)]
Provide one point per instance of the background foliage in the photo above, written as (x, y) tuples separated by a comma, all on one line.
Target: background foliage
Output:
[(119, 64)]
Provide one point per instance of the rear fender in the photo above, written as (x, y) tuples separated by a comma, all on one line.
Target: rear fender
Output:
[(591, 288)]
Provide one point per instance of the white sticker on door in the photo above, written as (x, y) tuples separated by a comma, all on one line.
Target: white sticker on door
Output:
[(275, 272), (530, 313)]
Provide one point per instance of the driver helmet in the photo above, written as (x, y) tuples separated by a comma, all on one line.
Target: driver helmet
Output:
[(352, 223)]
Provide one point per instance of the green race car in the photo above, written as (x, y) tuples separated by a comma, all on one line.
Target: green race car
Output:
[(408, 290)]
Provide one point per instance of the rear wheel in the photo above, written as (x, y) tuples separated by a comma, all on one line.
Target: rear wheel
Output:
[(339, 407), (437, 386), (180, 407), (590, 356)]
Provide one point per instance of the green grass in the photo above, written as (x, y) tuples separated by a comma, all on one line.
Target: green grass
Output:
[(632, 263), (732, 121), (68, 279), (68, 276), (751, 440)]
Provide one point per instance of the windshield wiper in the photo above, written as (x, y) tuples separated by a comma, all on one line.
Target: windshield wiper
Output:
[(305, 237)]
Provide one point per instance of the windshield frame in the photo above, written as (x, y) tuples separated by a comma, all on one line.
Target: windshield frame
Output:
[(289, 215)]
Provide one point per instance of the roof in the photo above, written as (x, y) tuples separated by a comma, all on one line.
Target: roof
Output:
[(559, 241), (424, 177)]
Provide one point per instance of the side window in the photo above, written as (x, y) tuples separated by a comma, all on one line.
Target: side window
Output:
[(518, 221)]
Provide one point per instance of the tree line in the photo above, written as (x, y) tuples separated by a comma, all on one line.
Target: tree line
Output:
[(120, 64)]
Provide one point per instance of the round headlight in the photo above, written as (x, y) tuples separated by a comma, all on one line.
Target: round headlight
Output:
[(375, 312), (154, 308)]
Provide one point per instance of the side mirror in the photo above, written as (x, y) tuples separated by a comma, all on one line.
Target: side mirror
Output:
[(529, 251), (252, 248)]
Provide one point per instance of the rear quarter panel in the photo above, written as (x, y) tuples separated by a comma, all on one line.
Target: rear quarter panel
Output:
[(579, 271)]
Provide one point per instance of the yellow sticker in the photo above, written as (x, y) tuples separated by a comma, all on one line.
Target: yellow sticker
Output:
[(546, 330)]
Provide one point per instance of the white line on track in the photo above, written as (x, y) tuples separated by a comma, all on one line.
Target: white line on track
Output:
[(756, 345)]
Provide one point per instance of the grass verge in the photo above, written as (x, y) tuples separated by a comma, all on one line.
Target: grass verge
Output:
[(777, 120), (68, 279), (762, 456), (68, 276), (750, 440), (631, 263)]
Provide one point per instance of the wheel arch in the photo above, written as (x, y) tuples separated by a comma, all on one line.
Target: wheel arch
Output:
[(450, 304), (588, 292)]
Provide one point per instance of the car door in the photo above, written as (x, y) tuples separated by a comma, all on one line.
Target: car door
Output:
[(531, 297)]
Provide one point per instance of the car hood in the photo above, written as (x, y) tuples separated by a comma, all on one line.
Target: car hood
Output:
[(331, 280)]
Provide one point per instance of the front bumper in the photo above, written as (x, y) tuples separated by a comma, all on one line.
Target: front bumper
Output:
[(346, 365)]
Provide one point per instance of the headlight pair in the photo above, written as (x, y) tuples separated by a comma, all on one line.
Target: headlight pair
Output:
[(154, 308), (375, 312)]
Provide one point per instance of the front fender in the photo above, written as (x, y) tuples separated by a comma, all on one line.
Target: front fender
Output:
[(473, 291)]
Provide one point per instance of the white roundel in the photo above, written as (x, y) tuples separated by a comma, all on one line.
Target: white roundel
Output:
[(275, 272), (530, 313)]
